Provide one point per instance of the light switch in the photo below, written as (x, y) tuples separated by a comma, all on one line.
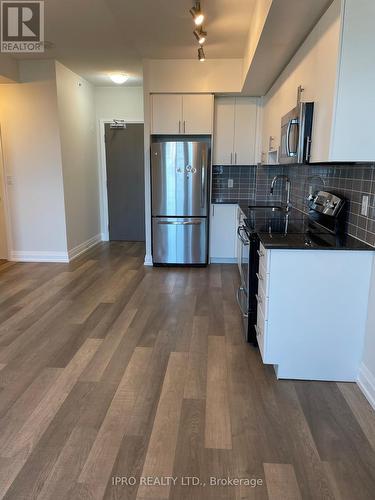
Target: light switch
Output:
[(230, 183)]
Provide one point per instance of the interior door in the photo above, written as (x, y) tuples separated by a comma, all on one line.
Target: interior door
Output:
[(167, 114), (245, 130), (3, 232), (125, 182), (224, 131), (197, 114)]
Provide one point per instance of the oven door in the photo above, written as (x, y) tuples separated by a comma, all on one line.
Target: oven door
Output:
[(243, 289)]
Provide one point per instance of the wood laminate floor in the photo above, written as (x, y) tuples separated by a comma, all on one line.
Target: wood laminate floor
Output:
[(111, 372)]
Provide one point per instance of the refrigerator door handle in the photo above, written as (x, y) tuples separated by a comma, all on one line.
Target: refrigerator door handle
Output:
[(180, 223), (203, 186)]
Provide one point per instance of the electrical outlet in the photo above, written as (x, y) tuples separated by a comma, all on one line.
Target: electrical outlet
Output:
[(230, 183), (364, 209)]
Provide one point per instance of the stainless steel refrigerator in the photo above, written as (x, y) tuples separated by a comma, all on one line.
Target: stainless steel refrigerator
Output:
[(179, 174)]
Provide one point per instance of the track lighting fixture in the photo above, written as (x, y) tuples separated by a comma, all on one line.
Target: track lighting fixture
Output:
[(197, 14), (201, 55), (200, 35)]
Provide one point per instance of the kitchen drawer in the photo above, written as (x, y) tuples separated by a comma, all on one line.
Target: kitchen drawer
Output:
[(263, 280), (262, 302), (261, 329), (263, 259)]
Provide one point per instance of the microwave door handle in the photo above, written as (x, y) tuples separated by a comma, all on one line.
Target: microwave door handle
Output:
[(288, 138)]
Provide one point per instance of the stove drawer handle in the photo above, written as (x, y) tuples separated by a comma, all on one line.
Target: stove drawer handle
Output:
[(239, 290)]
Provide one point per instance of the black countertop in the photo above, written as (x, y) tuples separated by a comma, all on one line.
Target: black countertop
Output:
[(295, 231)]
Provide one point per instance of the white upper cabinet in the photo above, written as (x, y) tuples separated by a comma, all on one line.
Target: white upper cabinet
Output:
[(224, 130), (245, 128), (182, 114), (335, 67), (166, 113), (198, 111), (235, 130)]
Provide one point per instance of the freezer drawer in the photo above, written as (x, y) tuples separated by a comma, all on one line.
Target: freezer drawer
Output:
[(179, 240)]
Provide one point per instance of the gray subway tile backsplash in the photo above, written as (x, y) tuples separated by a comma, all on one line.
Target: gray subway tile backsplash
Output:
[(351, 181)]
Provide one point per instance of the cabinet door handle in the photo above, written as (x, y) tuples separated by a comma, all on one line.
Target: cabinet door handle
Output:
[(235, 158), (179, 126), (184, 127), (231, 158)]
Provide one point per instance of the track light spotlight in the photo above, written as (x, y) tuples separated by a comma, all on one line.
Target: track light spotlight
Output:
[(201, 55), (200, 35), (197, 14)]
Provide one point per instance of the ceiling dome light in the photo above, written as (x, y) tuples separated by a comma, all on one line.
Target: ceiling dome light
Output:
[(200, 35), (201, 55), (197, 14), (119, 78)]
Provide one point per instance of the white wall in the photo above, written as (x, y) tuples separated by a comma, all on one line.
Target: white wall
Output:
[(367, 372), (3, 209), (77, 121), (8, 69), (191, 75), (30, 132), (119, 103), (258, 18)]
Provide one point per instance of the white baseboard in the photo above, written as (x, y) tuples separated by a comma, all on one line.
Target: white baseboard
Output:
[(148, 260), (215, 260), (39, 256), (366, 382), (84, 247)]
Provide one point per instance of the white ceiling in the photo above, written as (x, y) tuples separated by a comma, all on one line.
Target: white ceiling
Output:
[(97, 37)]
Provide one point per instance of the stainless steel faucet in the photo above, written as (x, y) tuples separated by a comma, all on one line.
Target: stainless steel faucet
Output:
[(288, 189)]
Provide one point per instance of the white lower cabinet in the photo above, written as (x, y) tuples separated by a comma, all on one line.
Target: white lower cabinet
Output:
[(312, 308), (223, 233)]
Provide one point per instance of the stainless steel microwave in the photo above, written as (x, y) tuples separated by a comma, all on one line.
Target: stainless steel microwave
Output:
[(296, 134)]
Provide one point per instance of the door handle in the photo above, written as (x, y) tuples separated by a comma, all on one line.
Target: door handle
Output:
[(239, 290), (180, 223), (308, 149), (203, 186), (287, 138), (244, 242), (288, 151)]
